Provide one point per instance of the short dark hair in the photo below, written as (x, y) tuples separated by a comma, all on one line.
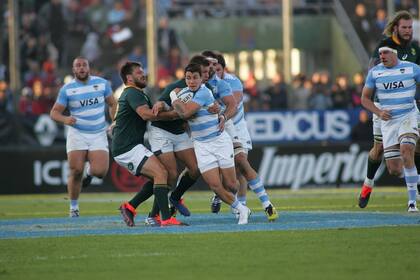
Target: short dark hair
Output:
[(208, 53), (127, 69), (199, 59), (193, 68), (221, 60)]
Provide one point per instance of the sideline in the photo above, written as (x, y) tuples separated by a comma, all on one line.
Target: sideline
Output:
[(201, 223)]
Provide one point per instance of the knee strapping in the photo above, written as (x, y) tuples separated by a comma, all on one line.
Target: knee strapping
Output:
[(392, 154), (408, 140)]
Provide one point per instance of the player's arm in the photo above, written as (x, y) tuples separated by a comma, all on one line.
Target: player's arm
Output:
[(147, 114), (369, 105), (185, 110), (230, 103), (57, 115), (112, 105)]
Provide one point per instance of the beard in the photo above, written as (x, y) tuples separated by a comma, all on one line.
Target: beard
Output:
[(140, 84), (404, 41), (82, 77)]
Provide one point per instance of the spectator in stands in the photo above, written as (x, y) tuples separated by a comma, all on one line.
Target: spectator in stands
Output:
[(319, 98), (96, 13), (363, 26), (362, 131), (277, 93), (77, 27), (137, 55), (356, 90), (91, 49), (52, 21), (6, 98), (298, 98), (166, 38), (340, 93), (117, 14)]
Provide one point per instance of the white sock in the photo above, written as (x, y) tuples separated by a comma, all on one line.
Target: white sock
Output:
[(74, 204)]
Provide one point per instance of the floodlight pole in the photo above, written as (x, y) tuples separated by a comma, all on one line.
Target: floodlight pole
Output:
[(14, 59), (287, 20), (151, 39)]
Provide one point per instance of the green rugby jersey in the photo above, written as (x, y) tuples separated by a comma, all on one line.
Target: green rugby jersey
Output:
[(172, 126), (129, 126), (409, 52)]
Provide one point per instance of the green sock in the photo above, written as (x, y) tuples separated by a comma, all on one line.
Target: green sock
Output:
[(155, 209), (372, 167), (145, 192), (161, 195), (184, 184), (417, 161)]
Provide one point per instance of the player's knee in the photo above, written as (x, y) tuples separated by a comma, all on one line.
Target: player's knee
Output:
[(395, 171), (376, 152), (76, 173), (194, 173), (99, 172), (172, 175), (232, 184)]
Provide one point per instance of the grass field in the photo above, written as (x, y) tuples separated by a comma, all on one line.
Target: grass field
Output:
[(387, 252)]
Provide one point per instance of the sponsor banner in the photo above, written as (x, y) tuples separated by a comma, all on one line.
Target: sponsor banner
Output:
[(45, 170), (333, 165), (309, 126)]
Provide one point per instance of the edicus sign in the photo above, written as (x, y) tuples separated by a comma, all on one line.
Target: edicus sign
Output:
[(291, 126)]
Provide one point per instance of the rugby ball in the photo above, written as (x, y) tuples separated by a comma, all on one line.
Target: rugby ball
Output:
[(185, 95)]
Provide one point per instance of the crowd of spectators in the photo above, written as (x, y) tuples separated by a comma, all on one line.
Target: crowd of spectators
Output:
[(316, 92), (107, 32)]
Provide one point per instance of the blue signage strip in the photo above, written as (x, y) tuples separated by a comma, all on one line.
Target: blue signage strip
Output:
[(302, 126)]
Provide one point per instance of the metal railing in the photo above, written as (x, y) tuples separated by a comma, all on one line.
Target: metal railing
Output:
[(351, 34)]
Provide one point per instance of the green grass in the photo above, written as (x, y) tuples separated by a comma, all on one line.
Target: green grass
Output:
[(365, 253)]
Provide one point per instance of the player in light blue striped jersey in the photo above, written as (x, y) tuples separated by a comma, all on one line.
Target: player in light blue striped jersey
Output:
[(84, 97), (395, 84), (246, 174), (212, 145)]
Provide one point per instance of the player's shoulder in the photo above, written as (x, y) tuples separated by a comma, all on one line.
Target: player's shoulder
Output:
[(69, 85), (97, 79), (387, 41), (229, 76), (177, 84)]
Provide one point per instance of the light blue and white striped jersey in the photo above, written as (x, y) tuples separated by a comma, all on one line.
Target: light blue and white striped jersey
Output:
[(395, 86), (236, 85), (86, 103), (204, 126), (220, 89)]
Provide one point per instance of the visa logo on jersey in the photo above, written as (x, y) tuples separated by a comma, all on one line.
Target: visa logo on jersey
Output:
[(393, 85), (90, 101)]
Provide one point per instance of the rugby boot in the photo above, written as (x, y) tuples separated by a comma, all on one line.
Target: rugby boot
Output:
[(216, 204), (128, 213), (364, 196), (172, 221), (180, 206), (271, 213)]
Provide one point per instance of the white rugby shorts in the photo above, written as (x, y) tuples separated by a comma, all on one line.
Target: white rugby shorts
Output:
[(78, 141), (231, 130), (134, 159), (243, 134), (218, 152), (393, 129), (164, 141)]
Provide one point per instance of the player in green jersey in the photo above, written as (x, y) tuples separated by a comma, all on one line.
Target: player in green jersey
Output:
[(134, 111)]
